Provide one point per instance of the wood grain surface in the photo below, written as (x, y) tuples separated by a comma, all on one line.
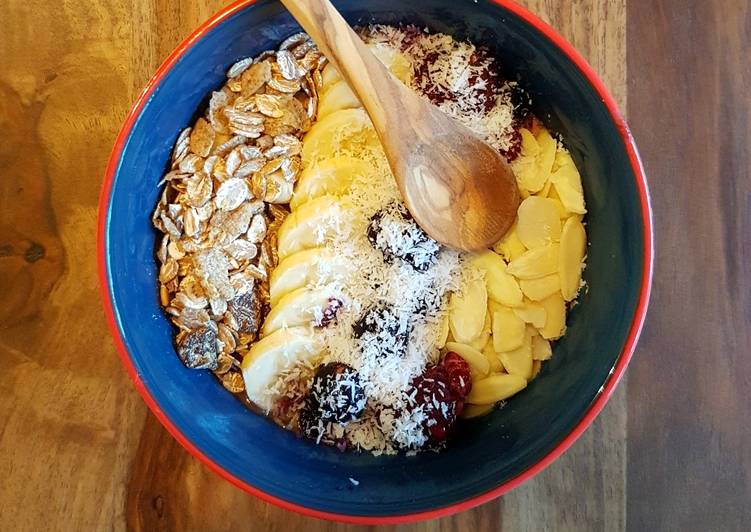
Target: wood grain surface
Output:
[(78, 450)]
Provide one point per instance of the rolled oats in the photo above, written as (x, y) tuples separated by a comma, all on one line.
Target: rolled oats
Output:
[(221, 207)]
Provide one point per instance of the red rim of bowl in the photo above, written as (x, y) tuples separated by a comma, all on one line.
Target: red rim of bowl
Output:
[(597, 404)]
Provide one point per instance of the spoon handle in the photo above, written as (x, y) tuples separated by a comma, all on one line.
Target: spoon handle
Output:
[(364, 73)]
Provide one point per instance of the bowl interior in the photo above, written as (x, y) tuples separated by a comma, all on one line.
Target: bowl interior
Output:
[(485, 453)]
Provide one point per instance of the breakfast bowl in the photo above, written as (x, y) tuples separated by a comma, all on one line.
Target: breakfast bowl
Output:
[(490, 455)]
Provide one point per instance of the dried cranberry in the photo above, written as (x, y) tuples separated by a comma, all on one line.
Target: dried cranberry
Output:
[(330, 312), (440, 392), (460, 380), (515, 148)]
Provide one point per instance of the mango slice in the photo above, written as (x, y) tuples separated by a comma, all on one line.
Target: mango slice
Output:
[(473, 411), (539, 222), (540, 288), (479, 342), (519, 361), (571, 257), (535, 263), (467, 311), (531, 312), (501, 286), (555, 308), (510, 247), (495, 388), (567, 183), (508, 330), (490, 354), (541, 349), (479, 366)]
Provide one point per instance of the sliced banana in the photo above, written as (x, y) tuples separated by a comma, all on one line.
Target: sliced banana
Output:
[(311, 266), (341, 132), (311, 225), (332, 176), (271, 356), (303, 306), (338, 96), (392, 58)]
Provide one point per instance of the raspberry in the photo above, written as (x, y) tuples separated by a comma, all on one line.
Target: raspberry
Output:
[(458, 374), (440, 391)]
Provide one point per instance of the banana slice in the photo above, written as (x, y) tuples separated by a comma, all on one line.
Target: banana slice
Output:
[(338, 96), (332, 176), (310, 225), (300, 307), (394, 60), (272, 355), (310, 266), (341, 132)]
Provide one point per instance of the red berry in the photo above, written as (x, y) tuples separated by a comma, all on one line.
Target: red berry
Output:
[(457, 369)]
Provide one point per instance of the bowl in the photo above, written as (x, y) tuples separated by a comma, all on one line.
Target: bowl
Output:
[(490, 455)]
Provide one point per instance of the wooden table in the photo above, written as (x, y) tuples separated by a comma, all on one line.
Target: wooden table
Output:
[(78, 450)]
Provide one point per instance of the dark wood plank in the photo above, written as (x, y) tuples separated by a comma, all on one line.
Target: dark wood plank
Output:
[(689, 447)]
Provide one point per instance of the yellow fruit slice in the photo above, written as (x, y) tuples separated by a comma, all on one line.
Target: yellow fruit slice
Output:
[(338, 96), (567, 183), (332, 176), (392, 58), (519, 361), (508, 330), (310, 225), (538, 223), (546, 157), (467, 311), (269, 357), (510, 247), (329, 76), (531, 312), (310, 266), (571, 257), (525, 166), (490, 354), (501, 286), (555, 308), (536, 367), (443, 331), (300, 307), (541, 349), (540, 288), (474, 411), (479, 366), (495, 388), (479, 342), (535, 263), (344, 132)]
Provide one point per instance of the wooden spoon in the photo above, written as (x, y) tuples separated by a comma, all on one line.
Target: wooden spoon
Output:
[(459, 189)]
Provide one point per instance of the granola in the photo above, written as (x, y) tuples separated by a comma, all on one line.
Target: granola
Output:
[(229, 175)]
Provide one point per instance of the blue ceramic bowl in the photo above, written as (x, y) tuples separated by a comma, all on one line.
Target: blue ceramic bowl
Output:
[(488, 456)]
